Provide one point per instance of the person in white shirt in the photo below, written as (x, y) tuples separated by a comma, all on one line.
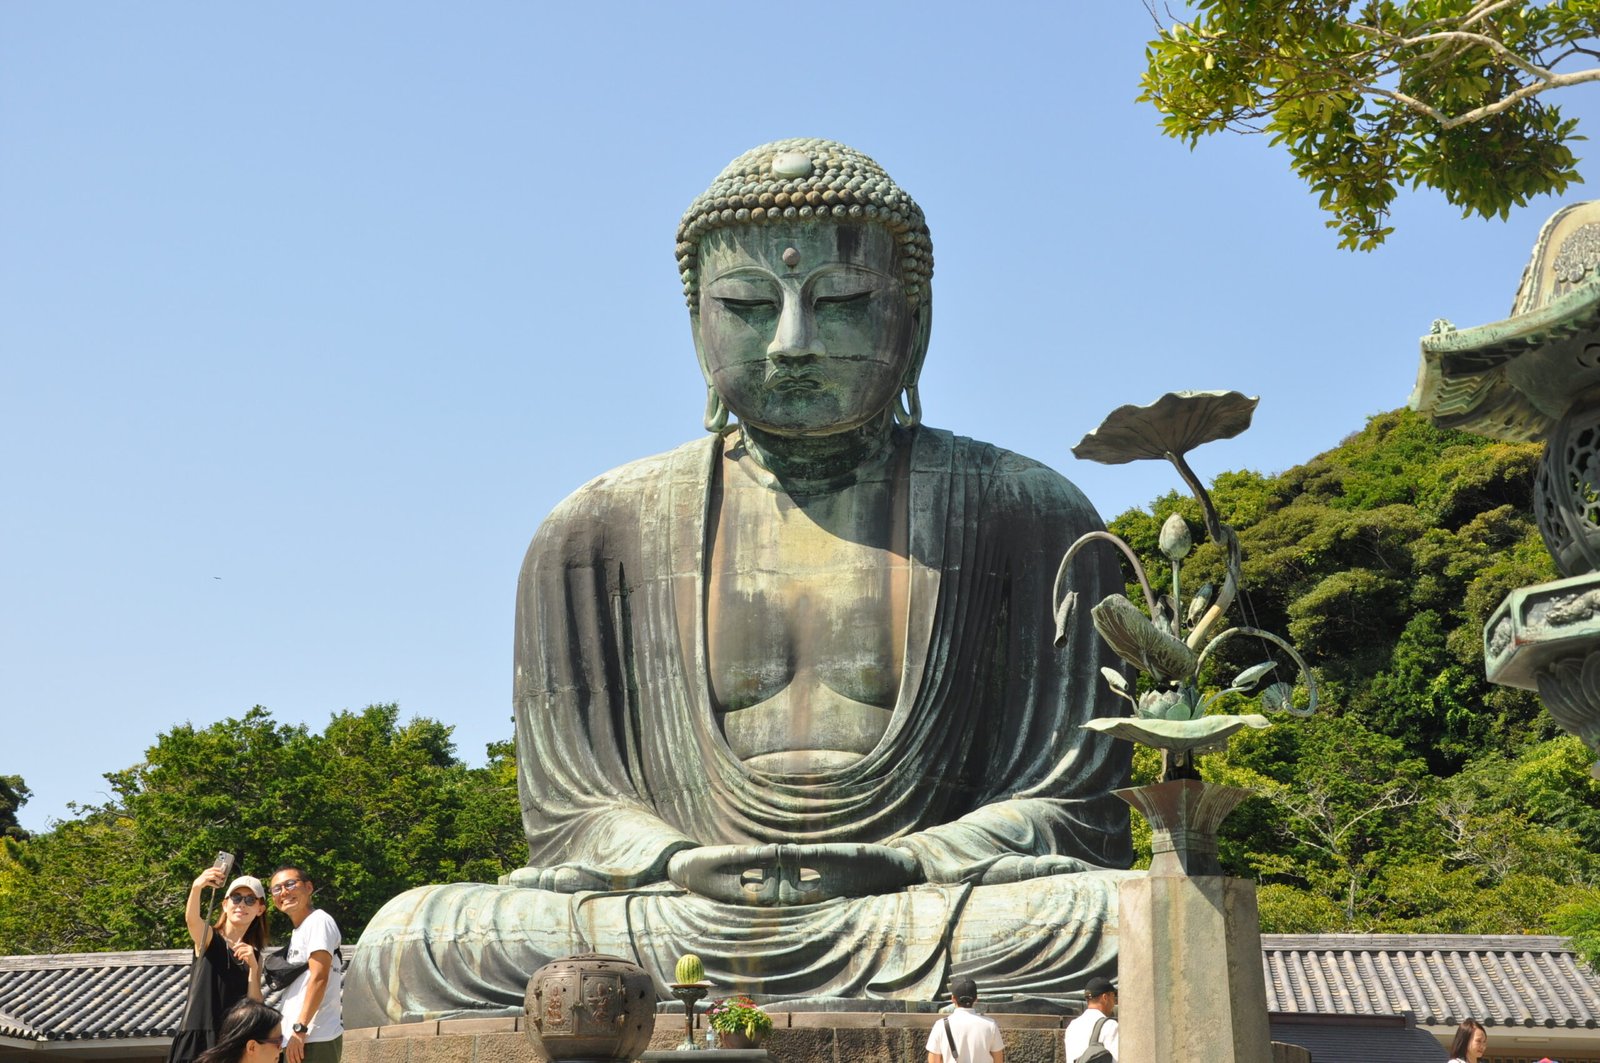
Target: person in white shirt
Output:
[(964, 1036), (1100, 996), (312, 1003)]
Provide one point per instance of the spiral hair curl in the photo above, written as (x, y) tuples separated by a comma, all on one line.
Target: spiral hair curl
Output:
[(806, 178)]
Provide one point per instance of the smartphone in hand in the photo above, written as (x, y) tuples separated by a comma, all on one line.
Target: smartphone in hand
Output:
[(224, 861)]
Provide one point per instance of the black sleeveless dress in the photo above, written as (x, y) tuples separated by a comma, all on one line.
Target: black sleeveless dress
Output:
[(217, 982)]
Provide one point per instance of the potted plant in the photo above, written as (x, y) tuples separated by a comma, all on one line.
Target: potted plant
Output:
[(739, 1022)]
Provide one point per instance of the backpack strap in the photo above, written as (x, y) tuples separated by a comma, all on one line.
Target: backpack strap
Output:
[(955, 1057), (1094, 1036)]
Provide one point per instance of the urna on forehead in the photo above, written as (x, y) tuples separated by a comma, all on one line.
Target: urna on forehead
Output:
[(807, 179)]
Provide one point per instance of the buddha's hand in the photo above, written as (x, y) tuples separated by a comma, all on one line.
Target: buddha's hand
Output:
[(1019, 868), (773, 875), (559, 878)]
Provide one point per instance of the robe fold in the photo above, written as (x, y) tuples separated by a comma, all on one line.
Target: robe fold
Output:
[(622, 761)]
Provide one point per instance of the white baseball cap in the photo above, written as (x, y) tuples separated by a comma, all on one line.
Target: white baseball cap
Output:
[(251, 883)]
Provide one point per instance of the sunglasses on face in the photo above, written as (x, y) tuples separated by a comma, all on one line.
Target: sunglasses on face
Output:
[(288, 884), (275, 1042), (243, 900)]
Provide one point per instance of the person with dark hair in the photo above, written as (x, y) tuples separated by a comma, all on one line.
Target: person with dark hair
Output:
[(1095, 1026), (964, 1036), (1470, 1042), (312, 1003), (227, 959), (252, 1032)]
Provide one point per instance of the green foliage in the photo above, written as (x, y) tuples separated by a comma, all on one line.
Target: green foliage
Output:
[(1419, 799), (1368, 97), (367, 808), (14, 793), (1580, 920)]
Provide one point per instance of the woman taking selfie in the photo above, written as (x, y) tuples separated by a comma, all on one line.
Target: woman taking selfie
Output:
[(227, 960), (251, 1033)]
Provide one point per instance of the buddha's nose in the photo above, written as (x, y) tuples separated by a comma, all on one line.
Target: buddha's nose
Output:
[(796, 338)]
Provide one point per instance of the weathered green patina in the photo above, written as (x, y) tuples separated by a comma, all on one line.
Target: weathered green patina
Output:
[(1536, 376), (1172, 715), (786, 696)]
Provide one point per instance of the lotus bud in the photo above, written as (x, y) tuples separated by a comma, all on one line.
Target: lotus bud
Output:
[(690, 970), (1153, 704), (1175, 540)]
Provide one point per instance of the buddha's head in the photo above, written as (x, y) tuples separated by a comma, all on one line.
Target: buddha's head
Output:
[(808, 275)]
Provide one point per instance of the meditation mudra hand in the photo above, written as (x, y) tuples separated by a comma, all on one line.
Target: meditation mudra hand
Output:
[(786, 697), (791, 874)]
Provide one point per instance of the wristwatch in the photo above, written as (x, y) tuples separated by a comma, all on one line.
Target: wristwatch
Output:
[(300, 1027)]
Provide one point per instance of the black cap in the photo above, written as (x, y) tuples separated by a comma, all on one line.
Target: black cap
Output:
[(1098, 987), (964, 989)]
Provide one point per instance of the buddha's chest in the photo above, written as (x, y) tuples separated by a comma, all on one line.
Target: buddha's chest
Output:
[(805, 616)]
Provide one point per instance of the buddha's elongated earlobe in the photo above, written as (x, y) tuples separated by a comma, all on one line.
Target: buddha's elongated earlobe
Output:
[(908, 404), (716, 411), (908, 407)]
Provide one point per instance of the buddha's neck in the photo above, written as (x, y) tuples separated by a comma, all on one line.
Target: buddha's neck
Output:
[(809, 459)]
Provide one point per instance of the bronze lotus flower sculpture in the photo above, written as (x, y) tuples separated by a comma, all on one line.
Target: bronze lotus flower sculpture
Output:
[(1171, 716)]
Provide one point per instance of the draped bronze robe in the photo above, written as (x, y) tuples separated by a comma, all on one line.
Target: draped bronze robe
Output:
[(622, 763)]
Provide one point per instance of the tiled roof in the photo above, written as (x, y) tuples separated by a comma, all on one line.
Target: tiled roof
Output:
[(92, 995), (1500, 980)]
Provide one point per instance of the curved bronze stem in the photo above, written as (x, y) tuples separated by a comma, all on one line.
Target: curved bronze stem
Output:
[(1084, 539), (1300, 663), (1220, 533)]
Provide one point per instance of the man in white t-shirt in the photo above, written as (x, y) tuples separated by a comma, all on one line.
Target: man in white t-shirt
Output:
[(964, 1036), (311, 1006), (1100, 996)]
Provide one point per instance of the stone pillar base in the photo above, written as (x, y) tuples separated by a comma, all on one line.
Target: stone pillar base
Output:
[(1189, 979)]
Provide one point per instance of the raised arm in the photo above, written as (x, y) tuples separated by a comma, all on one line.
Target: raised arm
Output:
[(199, 931)]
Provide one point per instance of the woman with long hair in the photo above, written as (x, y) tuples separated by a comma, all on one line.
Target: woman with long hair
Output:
[(227, 960), (1470, 1042), (251, 1032)]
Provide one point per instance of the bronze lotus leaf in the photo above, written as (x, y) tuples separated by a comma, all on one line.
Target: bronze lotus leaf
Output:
[(1207, 732), (1174, 424), (1139, 642)]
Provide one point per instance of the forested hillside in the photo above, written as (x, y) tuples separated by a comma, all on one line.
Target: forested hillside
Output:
[(368, 807), (1418, 798)]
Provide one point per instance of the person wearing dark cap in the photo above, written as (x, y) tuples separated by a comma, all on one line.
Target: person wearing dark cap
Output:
[(1095, 1025), (964, 1036)]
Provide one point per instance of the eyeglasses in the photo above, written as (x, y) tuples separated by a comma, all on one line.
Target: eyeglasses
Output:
[(288, 884), (275, 1041), (243, 900)]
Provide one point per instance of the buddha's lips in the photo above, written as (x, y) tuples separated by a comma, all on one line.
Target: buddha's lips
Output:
[(790, 381)]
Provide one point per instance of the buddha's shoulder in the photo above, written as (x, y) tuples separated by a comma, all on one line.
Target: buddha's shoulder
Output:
[(622, 494), (1010, 481)]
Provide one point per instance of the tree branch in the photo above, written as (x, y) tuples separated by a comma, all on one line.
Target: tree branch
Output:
[(1486, 8)]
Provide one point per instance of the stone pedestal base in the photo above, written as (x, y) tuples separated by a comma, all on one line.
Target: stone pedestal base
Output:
[(1189, 979), (809, 1037)]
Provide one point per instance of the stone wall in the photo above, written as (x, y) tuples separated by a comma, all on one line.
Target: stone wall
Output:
[(797, 1037)]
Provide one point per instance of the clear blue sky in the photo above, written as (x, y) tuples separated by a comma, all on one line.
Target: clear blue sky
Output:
[(309, 313)]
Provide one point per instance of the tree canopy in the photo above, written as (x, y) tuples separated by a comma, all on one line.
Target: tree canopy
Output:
[(1368, 97), (14, 793), (368, 808), (1420, 798)]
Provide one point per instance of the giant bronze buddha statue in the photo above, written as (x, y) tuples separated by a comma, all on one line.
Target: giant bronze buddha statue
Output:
[(786, 696)]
